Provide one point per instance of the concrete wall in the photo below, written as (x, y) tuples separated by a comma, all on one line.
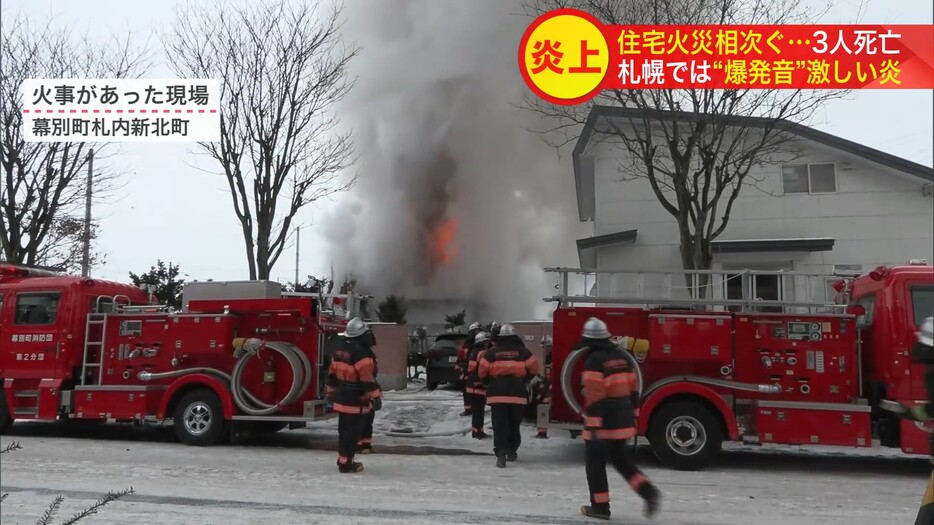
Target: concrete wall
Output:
[(876, 216), (534, 333), (392, 347)]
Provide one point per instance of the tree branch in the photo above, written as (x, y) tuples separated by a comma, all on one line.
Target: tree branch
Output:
[(283, 68), (696, 148)]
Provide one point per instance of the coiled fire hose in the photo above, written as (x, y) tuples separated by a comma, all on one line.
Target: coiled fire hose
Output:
[(244, 350), (568, 368)]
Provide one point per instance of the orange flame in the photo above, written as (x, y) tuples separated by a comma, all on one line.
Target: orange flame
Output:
[(442, 237)]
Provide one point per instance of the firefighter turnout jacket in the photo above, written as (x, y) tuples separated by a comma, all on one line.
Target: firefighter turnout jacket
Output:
[(474, 383), (351, 383), (610, 394), (463, 355), (506, 369)]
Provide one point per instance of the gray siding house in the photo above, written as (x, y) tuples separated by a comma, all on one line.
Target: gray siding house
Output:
[(834, 205)]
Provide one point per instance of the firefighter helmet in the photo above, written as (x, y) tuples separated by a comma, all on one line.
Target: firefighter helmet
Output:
[(506, 330), (482, 337), (595, 329), (474, 327), (926, 334), (355, 328)]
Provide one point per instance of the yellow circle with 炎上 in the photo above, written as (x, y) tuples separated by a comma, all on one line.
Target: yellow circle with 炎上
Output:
[(566, 57)]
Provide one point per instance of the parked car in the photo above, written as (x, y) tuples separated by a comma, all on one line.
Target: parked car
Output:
[(442, 357)]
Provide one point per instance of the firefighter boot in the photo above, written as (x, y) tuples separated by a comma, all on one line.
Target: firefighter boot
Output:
[(596, 511), (350, 468), (652, 498), (364, 449), (511, 456), (480, 435), (500, 459)]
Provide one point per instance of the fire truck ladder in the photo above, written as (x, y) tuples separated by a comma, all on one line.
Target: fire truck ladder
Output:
[(797, 292), (94, 320)]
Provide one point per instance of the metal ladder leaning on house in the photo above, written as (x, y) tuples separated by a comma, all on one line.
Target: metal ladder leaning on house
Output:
[(798, 292)]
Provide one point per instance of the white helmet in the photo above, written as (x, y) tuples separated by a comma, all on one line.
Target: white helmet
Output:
[(506, 330), (355, 328), (596, 329), (926, 334), (482, 337), (474, 326)]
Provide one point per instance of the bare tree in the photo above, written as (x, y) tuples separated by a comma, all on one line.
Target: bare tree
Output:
[(64, 245), (43, 184), (695, 147), (282, 67)]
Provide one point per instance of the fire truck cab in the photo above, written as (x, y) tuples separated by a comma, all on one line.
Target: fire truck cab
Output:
[(239, 355), (794, 371)]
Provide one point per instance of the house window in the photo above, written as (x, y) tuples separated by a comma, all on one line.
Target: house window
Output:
[(754, 287), (809, 178), (36, 308)]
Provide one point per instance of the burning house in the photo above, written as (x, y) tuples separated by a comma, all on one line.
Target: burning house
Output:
[(457, 206)]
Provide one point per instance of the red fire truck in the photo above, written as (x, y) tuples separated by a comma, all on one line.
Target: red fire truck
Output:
[(238, 355), (724, 366)]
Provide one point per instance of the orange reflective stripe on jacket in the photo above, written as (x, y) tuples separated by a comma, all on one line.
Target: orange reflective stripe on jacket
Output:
[(506, 369), (594, 387)]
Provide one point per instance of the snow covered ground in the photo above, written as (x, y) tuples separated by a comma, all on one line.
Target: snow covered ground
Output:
[(291, 477)]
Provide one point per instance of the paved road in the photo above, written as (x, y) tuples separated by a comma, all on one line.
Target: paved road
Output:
[(287, 478)]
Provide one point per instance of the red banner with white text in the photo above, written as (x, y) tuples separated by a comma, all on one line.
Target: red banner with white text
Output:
[(567, 57)]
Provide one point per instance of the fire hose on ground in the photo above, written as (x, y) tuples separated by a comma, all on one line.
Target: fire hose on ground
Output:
[(450, 433), (245, 350)]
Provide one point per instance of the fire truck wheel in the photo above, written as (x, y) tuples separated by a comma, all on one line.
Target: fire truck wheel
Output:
[(199, 418), (685, 436)]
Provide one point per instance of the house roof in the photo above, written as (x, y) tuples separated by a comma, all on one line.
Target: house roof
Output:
[(584, 178), (588, 246)]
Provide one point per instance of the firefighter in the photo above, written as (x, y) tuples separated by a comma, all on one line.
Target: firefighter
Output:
[(365, 444), (611, 403), (494, 332), (923, 352), (475, 387), (506, 370), (352, 389), (463, 356)]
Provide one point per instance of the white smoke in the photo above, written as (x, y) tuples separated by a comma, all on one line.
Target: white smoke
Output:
[(440, 138)]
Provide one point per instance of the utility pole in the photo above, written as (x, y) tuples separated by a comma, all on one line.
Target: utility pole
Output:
[(86, 257), (298, 233)]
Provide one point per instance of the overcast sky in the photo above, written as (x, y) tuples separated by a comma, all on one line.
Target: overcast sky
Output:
[(171, 211)]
